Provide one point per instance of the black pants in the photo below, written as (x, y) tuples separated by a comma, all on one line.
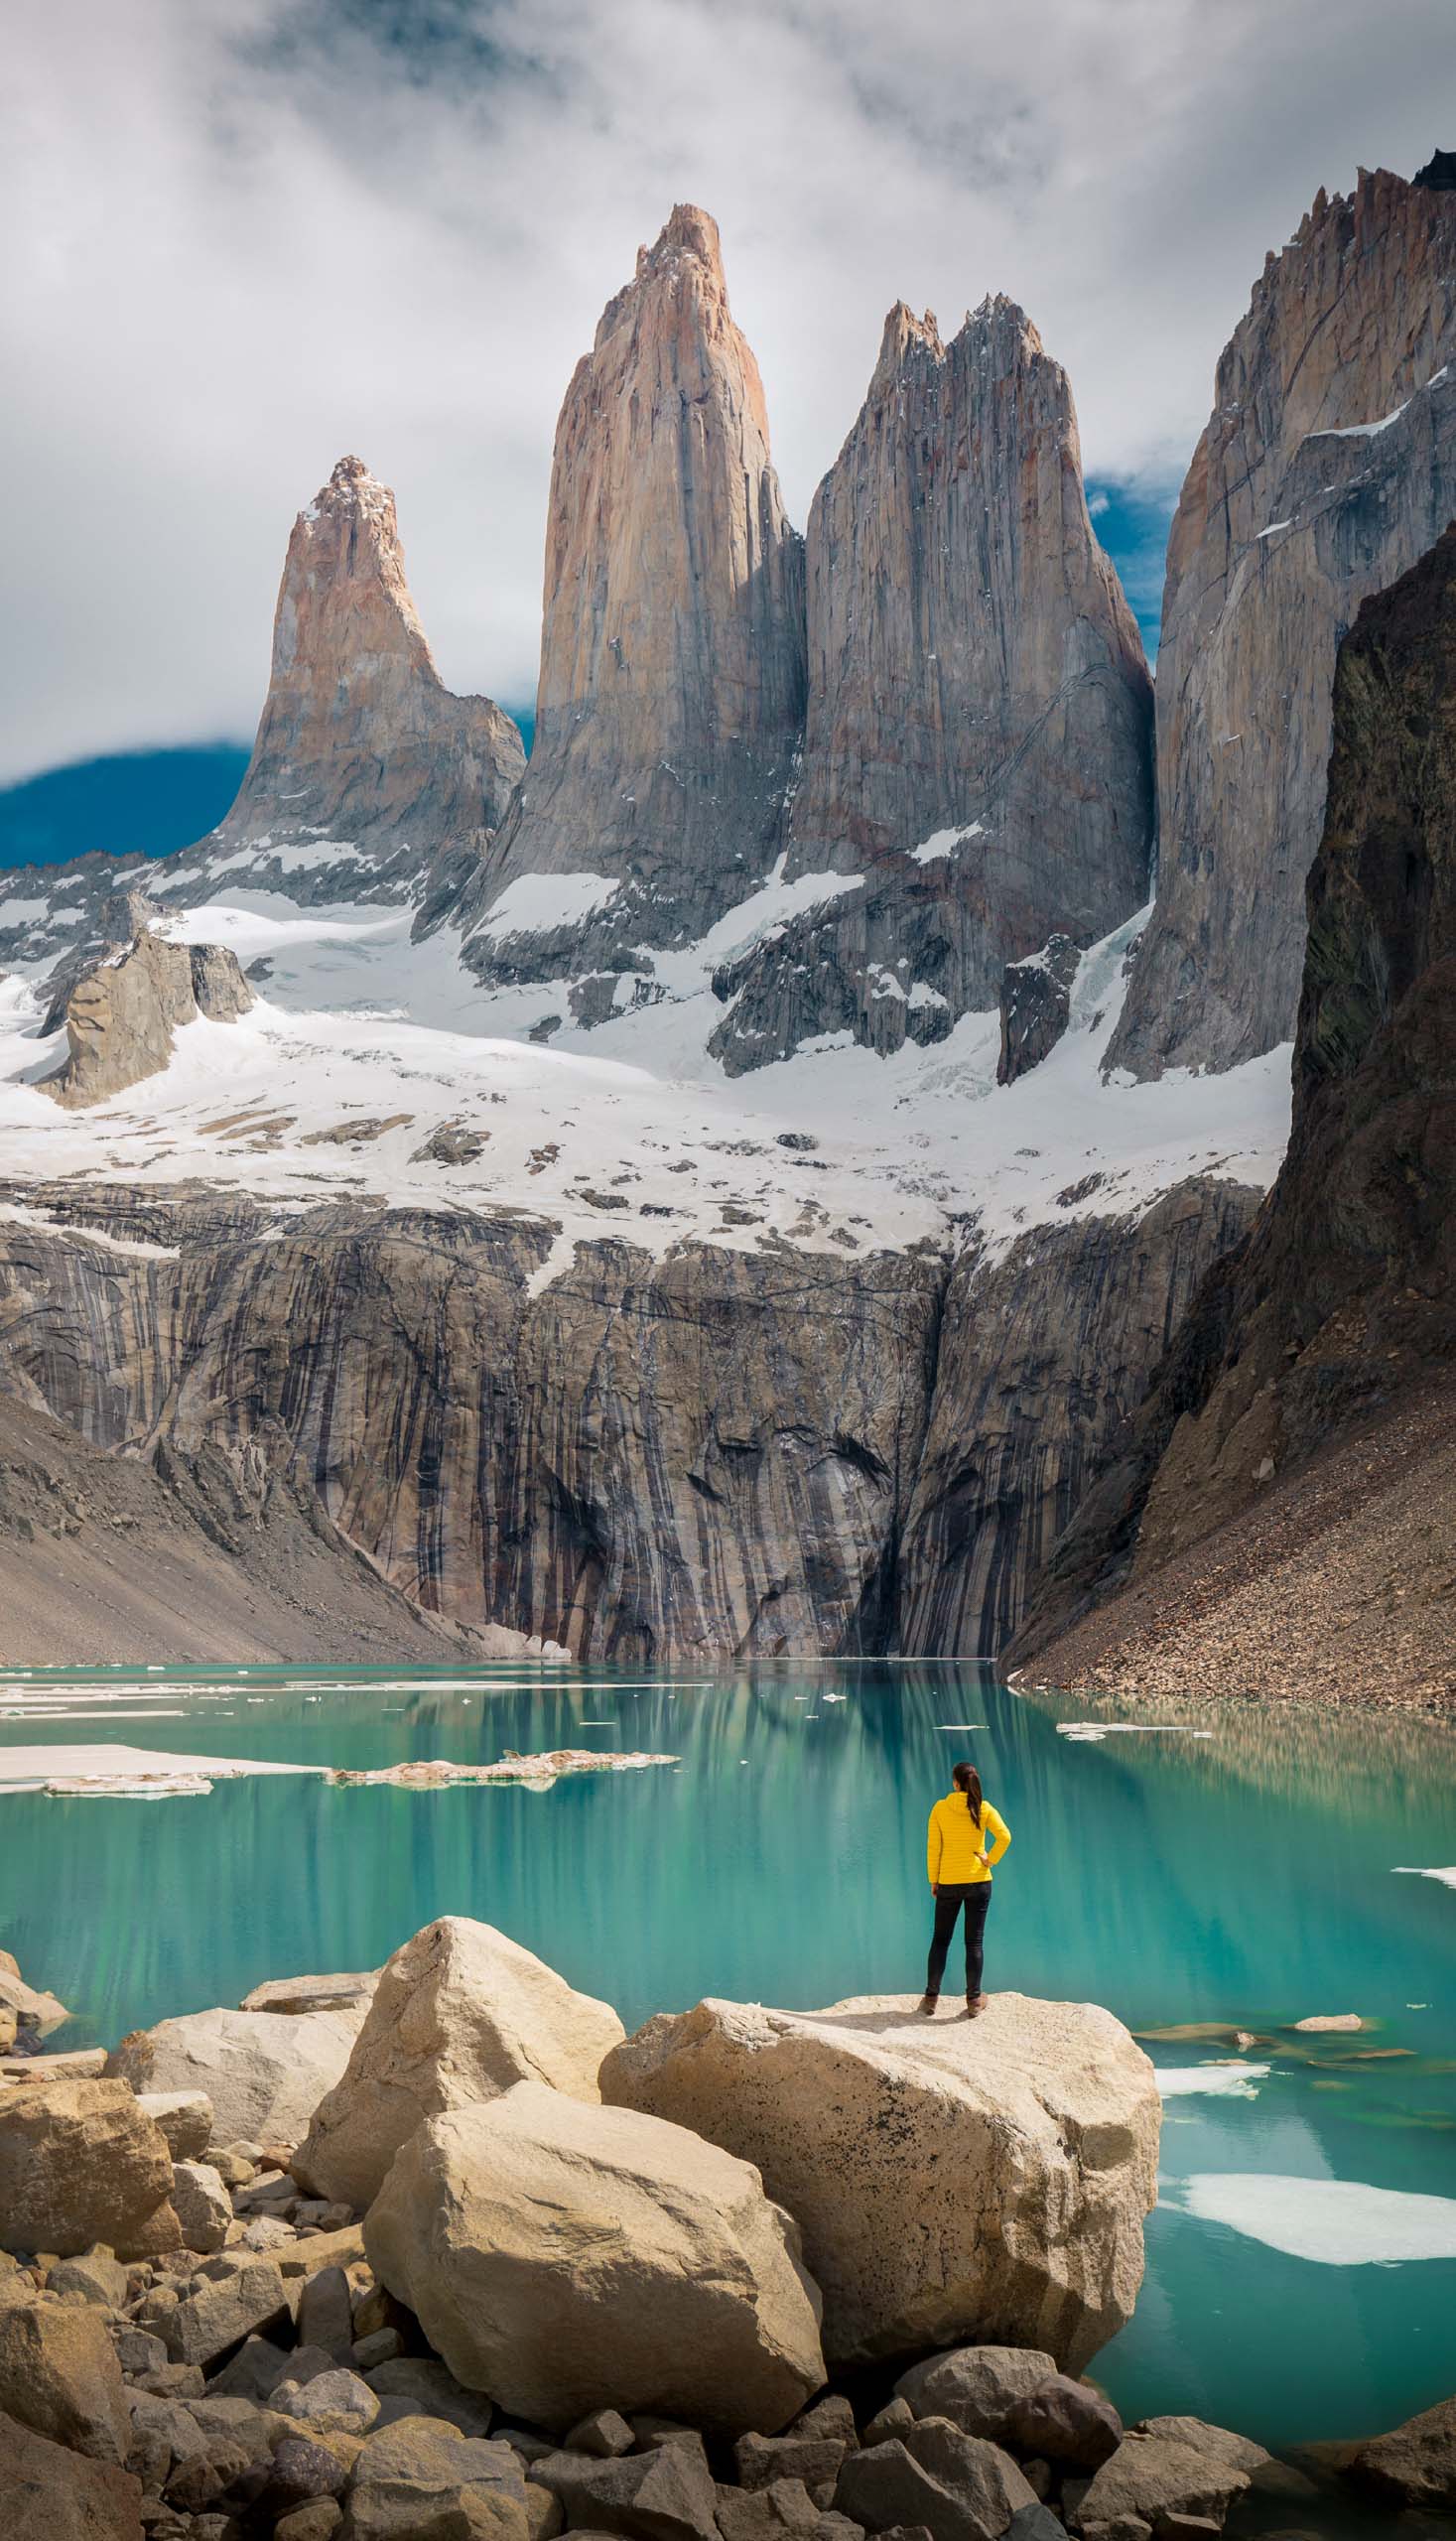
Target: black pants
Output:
[(975, 1896)]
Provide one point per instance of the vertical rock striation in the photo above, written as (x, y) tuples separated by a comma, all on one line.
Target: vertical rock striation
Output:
[(1327, 468), (1334, 1319), (671, 695), (361, 740), (978, 748)]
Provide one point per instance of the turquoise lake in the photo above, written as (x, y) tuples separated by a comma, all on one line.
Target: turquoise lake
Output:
[(1301, 2276)]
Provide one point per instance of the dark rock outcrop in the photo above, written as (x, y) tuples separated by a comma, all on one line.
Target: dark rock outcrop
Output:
[(1043, 1354), (1337, 1311), (122, 1015), (1327, 468), (1036, 1002), (978, 748), (671, 697)]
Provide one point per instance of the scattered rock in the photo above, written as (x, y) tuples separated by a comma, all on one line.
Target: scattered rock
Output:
[(1416, 2463), (202, 2205), (420, 2480), (433, 2392), (223, 2310), (663, 2495), (976, 2387), (1322, 2021), (38, 2012), (691, 2300), (957, 2486), (460, 2013), (185, 2119), (59, 2373), (265, 2072), (98, 2276), (303, 2472), (325, 2312), (762, 2458), (605, 2433), (1153, 2475), (333, 2403), (853, 2116), (297, 1995), (322, 2520), (1066, 2421), (52, 2494), (81, 2163), (137, 2351)]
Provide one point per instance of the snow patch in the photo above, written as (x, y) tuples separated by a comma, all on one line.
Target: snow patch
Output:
[(942, 843), (542, 903)]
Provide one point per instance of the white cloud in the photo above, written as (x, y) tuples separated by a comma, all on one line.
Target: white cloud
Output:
[(246, 235)]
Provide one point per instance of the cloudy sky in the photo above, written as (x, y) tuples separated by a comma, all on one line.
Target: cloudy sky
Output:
[(243, 236)]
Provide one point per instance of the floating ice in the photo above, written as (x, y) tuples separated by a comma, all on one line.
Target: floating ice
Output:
[(1089, 1731), (1334, 2222), (1222, 2079), (1409, 1870)]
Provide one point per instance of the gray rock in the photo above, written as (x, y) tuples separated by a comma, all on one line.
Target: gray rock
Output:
[(224, 2309), (663, 2495), (97, 2276), (321, 2520), (201, 2204), (185, 2119), (421, 2480), (137, 2351), (296, 1995), (764, 2515), (544, 2514), (52, 2494), (379, 2347), (254, 2372), (1416, 2463), (265, 2072), (325, 2314), (1035, 1002), (605, 2433), (897, 2414), (761, 2459), (958, 2487), (1065, 2421), (830, 2417), (433, 2392), (335, 2403), (303, 2471), (1150, 2476), (1034, 2522), (976, 2387), (58, 2374)]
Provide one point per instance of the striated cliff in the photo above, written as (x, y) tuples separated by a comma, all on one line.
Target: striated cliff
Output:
[(1313, 1376), (671, 694), (1044, 1353), (978, 744), (1327, 468)]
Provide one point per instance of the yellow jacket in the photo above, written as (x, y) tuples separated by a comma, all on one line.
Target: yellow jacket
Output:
[(956, 1852)]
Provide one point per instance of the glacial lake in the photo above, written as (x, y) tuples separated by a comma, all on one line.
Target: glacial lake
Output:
[(1241, 1864)]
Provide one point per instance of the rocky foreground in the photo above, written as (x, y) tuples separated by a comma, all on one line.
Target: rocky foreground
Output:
[(438, 2254)]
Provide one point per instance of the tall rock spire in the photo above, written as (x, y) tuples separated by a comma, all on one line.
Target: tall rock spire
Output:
[(672, 657), (359, 738), (979, 738), (1327, 468)]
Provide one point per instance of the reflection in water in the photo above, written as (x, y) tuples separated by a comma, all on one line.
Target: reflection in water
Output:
[(1238, 1881)]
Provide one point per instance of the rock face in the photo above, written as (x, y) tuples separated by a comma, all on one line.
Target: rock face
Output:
[(1327, 468), (120, 1017), (1334, 1315), (978, 749), (1046, 2115), (58, 2374), (265, 2072), (52, 2494), (360, 741), (1036, 1004), (459, 2015), (1044, 1353), (672, 658), (709, 1452), (567, 2258), (81, 2163)]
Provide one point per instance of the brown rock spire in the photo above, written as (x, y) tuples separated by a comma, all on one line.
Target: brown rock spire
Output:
[(359, 738), (672, 655)]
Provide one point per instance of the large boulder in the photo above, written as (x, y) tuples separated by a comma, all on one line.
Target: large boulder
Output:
[(1416, 2463), (976, 2387), (459, 2015), (52, 2494), (59, 2373), (81, 2163), (421, 2480), (264, 2072), (1152, 2477), (952, 2179), (567, 2258)]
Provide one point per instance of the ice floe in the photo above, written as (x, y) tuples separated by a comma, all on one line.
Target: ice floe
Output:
[(1230, 2080), (1334, 2222)]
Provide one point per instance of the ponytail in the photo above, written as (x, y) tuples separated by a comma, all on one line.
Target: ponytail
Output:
[(966, 1779)]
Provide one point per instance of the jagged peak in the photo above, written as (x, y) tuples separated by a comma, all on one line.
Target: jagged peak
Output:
[(688, 245), (1000, 314), (904, 334)]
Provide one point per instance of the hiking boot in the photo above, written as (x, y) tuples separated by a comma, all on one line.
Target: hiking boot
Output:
[(927, 2004), (975, 2006)]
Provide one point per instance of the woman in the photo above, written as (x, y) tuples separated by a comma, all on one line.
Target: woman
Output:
[(960, 1876)]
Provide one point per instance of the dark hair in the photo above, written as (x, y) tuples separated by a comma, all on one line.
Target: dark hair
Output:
[(967, 1779)]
